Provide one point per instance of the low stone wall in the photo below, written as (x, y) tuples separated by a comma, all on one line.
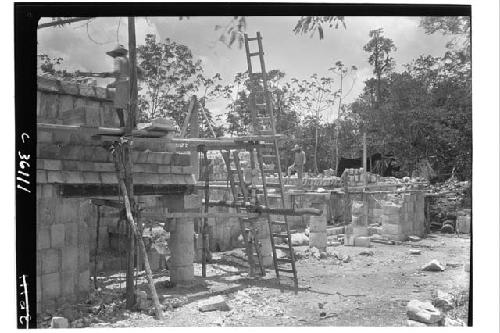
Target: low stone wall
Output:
[(398, 216), (404, 216)]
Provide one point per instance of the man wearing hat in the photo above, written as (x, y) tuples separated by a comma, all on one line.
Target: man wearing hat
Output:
[(299, 160), (121, 83)]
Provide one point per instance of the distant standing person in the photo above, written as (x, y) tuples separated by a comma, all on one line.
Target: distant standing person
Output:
[(121, 74), (299, 160)]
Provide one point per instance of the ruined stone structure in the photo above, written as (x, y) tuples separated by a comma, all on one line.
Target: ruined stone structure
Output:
[(74, 165)]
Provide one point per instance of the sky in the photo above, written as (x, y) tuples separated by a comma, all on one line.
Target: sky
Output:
[(83, 46)]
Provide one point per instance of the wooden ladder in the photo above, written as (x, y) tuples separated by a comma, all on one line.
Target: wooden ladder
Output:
[(263, 123), (248, 228)]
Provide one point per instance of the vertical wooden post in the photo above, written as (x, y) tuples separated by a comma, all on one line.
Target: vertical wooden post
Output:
[(364, 160), (127, 163), (205, 220), (96, 244), (194, 132), (133, 75)]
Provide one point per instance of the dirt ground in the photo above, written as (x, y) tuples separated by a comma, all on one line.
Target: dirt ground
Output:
[(344, 289)]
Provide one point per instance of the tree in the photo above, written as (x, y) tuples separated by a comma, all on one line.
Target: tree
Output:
[(342, 72), (170, 74), (457, 26), (380, 49), (311, 24), (314, 96)]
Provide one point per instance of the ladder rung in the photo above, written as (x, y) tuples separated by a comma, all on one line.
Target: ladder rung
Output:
[(273, 185), (253, 38), (282, 247), (269, 171), (286, 270), (254, 54), (264, 118), (268, 156), (286, 260), (281, 235), (278, 223), (259, 105)]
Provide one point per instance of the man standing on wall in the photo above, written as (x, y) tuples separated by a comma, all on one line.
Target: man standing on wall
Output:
[(121, 83), (299, 160)]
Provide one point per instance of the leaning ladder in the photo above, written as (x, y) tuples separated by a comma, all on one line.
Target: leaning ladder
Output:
[(248, 230), (263, 124)]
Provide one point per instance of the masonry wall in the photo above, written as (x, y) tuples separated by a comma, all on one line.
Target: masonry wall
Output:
[(62, 248), (54, 97)]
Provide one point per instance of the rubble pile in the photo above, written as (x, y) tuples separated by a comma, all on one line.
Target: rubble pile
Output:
[(445, 202), (438, 312)]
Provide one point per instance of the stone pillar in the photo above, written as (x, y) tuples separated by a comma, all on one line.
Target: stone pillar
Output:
[(317, 224), (263, 237), (358, 226), (317, 232), (182, 250)]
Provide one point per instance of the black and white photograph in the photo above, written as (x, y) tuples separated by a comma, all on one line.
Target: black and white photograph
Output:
[(247, 166)]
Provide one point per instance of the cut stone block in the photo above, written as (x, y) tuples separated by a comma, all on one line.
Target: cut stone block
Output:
[(50, 261), (443, 300), (362, 241), (51, 285), (423, 312), (59, 322), (433, 266), (213, 304), (57, 235)]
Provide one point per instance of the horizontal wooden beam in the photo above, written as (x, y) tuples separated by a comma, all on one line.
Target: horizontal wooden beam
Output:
[(111, 190)]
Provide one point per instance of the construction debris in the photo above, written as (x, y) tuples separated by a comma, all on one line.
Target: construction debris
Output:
[(59, 322), (443, 300), (423, 312), (414, 251), (216, 303), (433, 266)]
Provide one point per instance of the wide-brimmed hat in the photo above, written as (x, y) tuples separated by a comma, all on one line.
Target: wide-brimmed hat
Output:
[(118, 50)]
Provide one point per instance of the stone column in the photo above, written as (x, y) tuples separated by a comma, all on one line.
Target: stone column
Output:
[(317, 224), (182, 251), (317, 232)]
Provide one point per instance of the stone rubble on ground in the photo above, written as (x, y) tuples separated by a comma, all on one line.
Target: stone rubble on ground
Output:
[(423, 312), (59, 322), (415, 251), (413, 323), (467, 267), (443, 300), (414, 238), (448, 322), (216, 303), (299, 239), (433, 266)]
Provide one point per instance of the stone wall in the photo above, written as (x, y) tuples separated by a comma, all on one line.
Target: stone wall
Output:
[(393, 216), (62, 248), (404, 216), (54, 97)]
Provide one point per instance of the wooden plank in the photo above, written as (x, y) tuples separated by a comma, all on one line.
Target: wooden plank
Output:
[(93, 190), (180, 215)]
